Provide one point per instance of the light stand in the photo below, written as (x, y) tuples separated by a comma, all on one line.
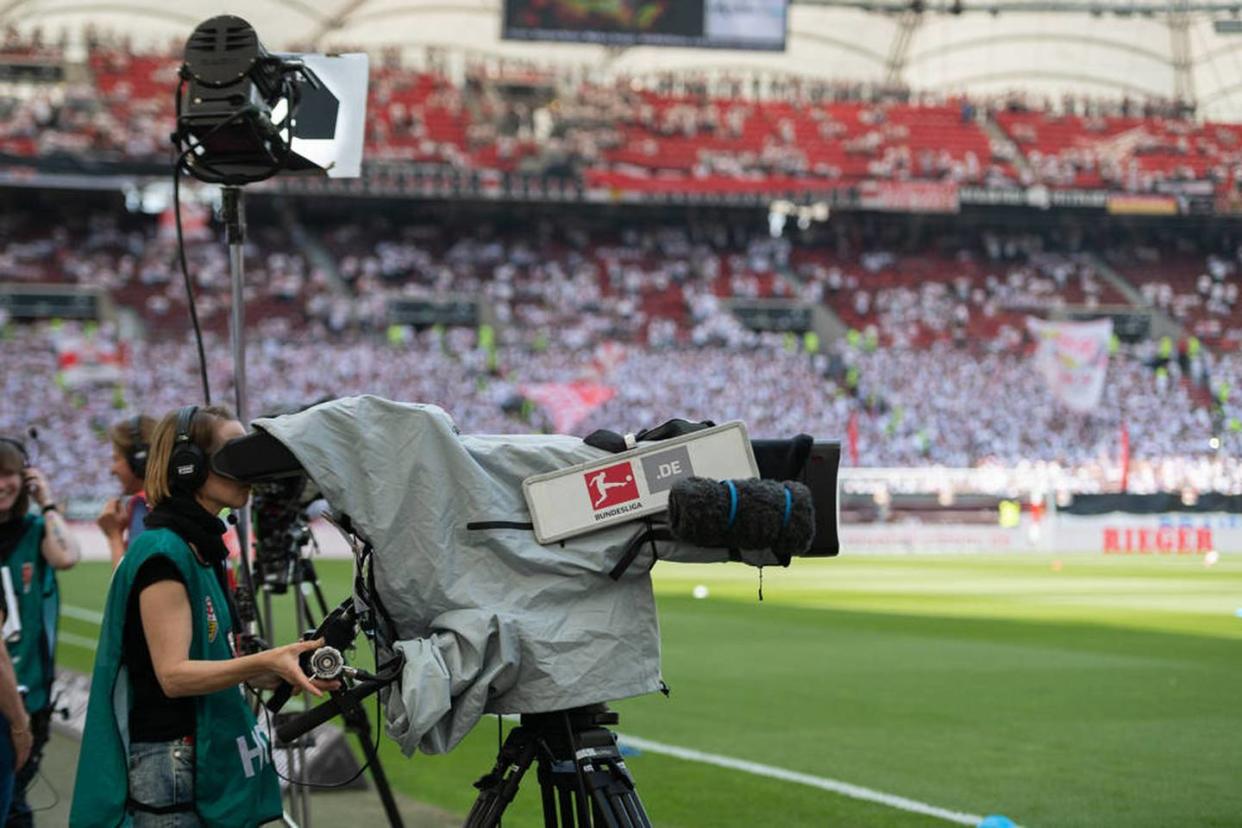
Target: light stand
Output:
[(245, 114), (234, 214)]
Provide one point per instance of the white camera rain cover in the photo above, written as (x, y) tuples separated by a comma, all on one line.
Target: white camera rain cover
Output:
[(490, 620)]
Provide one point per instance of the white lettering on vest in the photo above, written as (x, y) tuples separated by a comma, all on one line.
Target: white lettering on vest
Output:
[(248, 754)]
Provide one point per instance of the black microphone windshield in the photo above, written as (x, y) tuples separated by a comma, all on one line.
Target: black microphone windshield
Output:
[(743, 514)]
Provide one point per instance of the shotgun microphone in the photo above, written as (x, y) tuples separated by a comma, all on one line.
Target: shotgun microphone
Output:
[(743, 514)]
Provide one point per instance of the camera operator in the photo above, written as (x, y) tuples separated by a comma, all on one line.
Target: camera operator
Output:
[(122, 517), (32, 546), (187, 750)]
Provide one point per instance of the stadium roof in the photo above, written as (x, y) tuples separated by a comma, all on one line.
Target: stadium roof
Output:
[(1107, 48)]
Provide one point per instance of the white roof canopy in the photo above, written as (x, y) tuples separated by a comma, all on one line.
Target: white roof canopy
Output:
[(1104, 48)]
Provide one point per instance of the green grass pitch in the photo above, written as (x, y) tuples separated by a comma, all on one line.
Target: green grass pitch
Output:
[(1088, 691)]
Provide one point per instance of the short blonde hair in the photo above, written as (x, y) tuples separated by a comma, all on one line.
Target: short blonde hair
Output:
[(202, 434)]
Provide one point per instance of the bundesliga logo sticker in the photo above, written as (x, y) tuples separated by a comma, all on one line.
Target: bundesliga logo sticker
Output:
[(611, 486), (213, 625), (27, 577)]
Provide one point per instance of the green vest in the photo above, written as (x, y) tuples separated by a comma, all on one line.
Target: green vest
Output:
[(235, 783), (38, 607)]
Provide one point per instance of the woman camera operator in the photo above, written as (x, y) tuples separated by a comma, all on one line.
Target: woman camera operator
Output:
[(169, 740), (122, 517), (31, 547)]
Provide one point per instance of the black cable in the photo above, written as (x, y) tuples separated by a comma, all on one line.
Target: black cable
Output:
[(189, 289), (291, 94), (573, 749), (55, 794), (375, 743), (180, 251), (302, 783)]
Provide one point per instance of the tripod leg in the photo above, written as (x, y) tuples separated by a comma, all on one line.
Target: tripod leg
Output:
[(380, 778), (500, 785), (308, 575), (614, 797), (358, 723), (582, 776), (556, 802)]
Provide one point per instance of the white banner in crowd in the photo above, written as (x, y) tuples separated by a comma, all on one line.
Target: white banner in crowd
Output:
[(90, 359), (1073, 358), (568, 403)]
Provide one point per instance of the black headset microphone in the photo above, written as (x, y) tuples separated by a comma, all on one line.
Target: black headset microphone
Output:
[(187, 463), (27, 462), (138, 448)]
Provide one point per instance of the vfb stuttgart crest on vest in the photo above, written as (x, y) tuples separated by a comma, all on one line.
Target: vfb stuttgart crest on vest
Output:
[(213, 624)]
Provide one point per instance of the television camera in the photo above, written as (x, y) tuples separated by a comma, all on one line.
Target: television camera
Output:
[(470, 614)]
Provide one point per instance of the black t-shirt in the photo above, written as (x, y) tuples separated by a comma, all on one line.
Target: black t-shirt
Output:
[(154, 717)]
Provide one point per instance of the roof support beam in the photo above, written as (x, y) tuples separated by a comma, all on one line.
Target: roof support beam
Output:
[(899, 51), (1052, 75), (334, 22), (1183, 55), (991, 41)]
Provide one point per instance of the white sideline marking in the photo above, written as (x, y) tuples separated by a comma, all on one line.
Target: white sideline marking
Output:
[(82, 614), (833, 785), (76, 641)]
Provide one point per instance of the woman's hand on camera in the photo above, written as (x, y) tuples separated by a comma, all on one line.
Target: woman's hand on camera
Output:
[(112, 519), (284, 663)]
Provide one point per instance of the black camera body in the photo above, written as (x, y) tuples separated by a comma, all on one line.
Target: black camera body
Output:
[(281, 530)]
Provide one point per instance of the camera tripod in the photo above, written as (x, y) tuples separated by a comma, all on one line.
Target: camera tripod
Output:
[(583, 780)]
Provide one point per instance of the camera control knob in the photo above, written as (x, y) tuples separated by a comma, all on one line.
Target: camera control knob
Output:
[(327, 663)]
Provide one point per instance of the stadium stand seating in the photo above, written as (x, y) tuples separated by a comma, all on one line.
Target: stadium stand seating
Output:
[(623, 135)]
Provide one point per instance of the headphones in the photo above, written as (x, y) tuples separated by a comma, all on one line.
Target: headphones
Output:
[(187, 464), (138, 448), (21, 448)]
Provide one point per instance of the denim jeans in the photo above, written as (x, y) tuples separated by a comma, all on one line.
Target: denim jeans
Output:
[(162, 774)]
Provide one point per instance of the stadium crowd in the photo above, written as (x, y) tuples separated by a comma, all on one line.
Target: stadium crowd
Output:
[(648, 282), (933, 406), (947, 309)]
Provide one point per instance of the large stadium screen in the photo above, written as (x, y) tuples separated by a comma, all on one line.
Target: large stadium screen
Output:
[(719, 24)]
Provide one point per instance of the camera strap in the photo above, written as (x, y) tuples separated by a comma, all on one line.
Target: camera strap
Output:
[(384, 629), (651, 535)]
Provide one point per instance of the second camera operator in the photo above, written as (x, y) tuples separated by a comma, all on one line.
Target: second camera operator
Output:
[(122, 517), (32, 546), (169, 740)]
